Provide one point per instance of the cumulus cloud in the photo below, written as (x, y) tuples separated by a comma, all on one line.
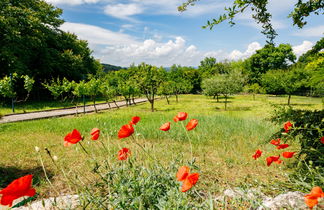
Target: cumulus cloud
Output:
[(236, 54), (302, 48), (123, 11), (121, 49)]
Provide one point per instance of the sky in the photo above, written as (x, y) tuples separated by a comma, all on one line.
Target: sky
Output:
[(122, 32)]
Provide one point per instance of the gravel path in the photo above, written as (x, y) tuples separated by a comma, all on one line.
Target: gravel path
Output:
[(62, 112)]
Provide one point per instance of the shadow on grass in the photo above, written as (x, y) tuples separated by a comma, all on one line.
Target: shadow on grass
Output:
[(285, 104), (8, 174)]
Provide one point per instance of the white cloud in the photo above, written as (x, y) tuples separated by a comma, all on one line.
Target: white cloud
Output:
[(236, 54), (302, 48), (123, 11), (98, 35), (317, 31), (121, 49), (72, 2)]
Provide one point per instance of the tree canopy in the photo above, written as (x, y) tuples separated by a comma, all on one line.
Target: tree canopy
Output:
[(261, 15)]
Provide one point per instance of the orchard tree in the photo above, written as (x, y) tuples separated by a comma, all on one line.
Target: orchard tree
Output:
[(166, 89), (93, 90), (28, 85), (179, 83), (260, 14), (7, 87), (212, 86), (149, 79), (109, 92), (79, 90), (59, 88), (254, 89), (268, 58)]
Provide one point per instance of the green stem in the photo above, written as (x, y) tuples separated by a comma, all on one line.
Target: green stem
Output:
[(189, 139)]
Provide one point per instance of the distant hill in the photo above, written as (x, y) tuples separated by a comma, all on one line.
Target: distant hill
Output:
[(109, 67)]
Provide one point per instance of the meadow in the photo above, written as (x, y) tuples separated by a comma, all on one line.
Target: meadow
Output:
[(223, 143)]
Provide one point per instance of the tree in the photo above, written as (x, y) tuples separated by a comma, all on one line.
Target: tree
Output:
[(59, 88), (254, 89), (32, 44), (261, 15), (179, 83), (212, 86), (268, 58), (166, 89), (149, 79), (209, 67), (93, 90)]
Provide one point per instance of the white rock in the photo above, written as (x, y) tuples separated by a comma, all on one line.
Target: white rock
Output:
[(290, 200), (61, 202)]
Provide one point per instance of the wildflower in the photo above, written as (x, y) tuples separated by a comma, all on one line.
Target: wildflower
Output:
[(287, 126), (182, 116), (95, 132), (272, 159), (175, 119), (191, 124), (311, 199), (125, 131), (282, 146), (188, 180), (135, 120), (322, 140), (165, 126), (275, 141), (72, 138), (16, 189), (257, 154), (123, 154), (37, 149), (55, 158), (288, 154)]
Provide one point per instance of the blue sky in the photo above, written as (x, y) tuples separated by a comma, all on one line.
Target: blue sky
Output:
[(153, 31)]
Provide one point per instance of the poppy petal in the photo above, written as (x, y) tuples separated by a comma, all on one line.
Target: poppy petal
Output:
[(189, 182), (288, 154), (182, 173), (135, 120), (182, 116), (191, 124), (165, 126), (125, 131), (282, 146)]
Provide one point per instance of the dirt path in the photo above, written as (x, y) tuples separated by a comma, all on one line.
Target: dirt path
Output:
[(62, 112)]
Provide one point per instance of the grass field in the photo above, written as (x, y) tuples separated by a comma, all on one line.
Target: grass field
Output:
[(223, 142)]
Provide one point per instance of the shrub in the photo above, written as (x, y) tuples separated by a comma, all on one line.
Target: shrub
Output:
[(308, 127)]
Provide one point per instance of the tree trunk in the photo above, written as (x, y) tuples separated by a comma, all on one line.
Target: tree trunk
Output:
[(152, 105), (217, 98), (289, 97), (214, 96), (116, 104), (108, 104), (253, 97), (126, 99), (167, 99), (225, 102), (177, 98), (133, 101), (94, 105)]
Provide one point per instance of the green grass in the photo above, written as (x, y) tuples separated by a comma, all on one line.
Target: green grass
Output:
[(223, 142)]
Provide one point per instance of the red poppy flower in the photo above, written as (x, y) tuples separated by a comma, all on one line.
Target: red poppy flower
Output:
[(125, 131), (287, 126), (317, 191), (257, 154), (175, 119), (165, 126), (16, 189), (322, 140), (191, 124), (95, 132), (135, 120), (272, 159), (282, 146), (275, 141), (123, 154), (182, 116), (188, 180), (311, 199), (288, 154), (72, 138), (182, 173)]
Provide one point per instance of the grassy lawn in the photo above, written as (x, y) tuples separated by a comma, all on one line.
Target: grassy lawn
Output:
[(223, 143)]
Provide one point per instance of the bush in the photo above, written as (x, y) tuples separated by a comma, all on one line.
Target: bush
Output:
[(308, 127), (125, 185)]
